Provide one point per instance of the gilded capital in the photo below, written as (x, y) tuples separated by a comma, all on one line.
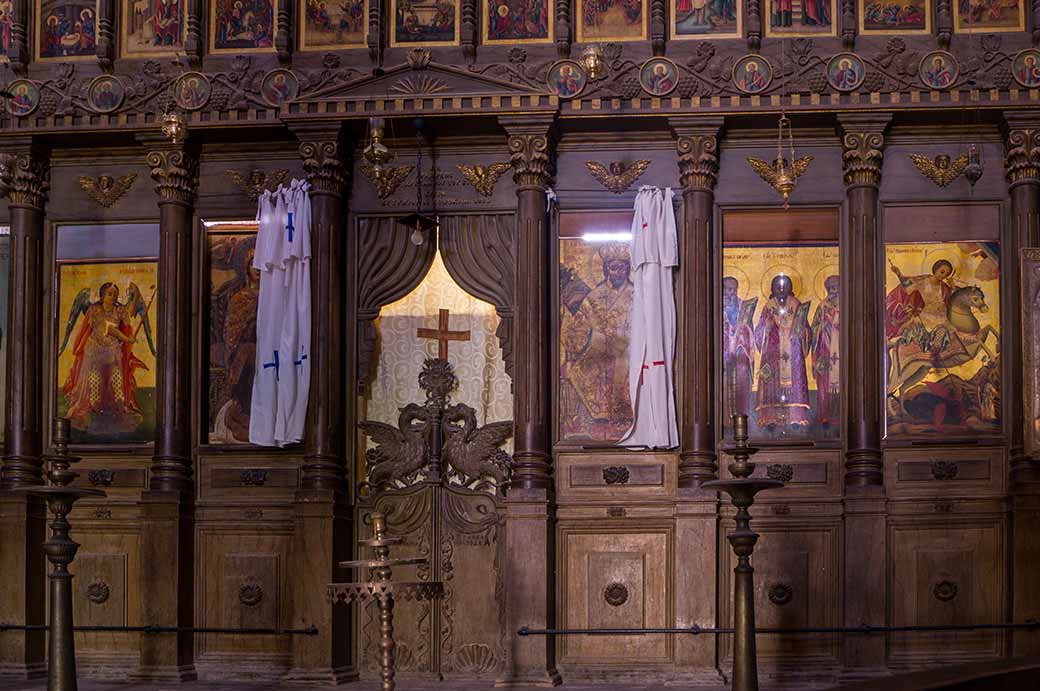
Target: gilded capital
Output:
[(698, 161), (531, 156), (862, 155), (323, 163), (1022, 155), (25, 178), (175, 172)]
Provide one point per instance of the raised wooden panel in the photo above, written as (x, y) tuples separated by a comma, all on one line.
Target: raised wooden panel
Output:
[(945, 472), (614, 579), (798, 577), (806, 472), (946, 573), (241, 581), (237, 477), (616, 477)]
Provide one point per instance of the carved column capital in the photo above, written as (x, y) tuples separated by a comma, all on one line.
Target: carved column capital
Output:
[(323, 163), (175, 170), (697, 142), (25, 175), (1021, 148), (862, 143), (531, 149)]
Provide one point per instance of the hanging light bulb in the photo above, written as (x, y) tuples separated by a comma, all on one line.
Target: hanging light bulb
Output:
[(376, 152), (418, 222)]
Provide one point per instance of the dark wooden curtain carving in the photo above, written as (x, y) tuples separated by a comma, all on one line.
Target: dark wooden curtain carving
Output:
[(389, 267), (479, 255)]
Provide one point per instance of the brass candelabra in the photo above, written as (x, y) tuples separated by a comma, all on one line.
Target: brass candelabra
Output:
[(381, 588), (61, 551), (742, 490)]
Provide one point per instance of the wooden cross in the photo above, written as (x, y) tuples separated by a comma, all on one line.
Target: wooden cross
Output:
[(442, 334)]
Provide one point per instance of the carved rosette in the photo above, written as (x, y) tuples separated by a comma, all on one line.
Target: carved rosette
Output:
[(25, 178), (861, 158), (698, 161), (531, 156), (1022, 155), (175, 172), (324, 166)]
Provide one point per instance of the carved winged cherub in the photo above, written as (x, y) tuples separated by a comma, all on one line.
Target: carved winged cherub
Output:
[(401, 452), (473, 451), (106, 190), (386, 178), (483, 178), (767, 171), (617, 178), (942, 171), (258, 181)]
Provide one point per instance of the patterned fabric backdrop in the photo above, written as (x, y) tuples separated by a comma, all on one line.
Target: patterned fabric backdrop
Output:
[(483, 383)]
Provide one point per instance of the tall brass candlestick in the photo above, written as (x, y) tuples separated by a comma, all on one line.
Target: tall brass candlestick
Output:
[(60, 550), (742, 490)]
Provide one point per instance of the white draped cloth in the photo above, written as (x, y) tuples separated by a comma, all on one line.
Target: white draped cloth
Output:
[(283, 320), (651, 355)]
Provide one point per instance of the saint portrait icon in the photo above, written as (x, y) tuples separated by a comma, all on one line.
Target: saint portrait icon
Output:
[(6, 26), (895, 16), (1026, 68), (105, 93), (704, 19), (192, 90), (566, 79), (333, 24), (752, 74), (659, 76), (152, 27), (279, 86), (26, 97), (845, 72), (611, 20), (510, 21), (242, 25), (938, 70), (807, 18)]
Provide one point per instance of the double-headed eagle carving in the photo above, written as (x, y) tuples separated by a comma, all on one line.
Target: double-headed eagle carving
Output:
[(483, 178), (942, 171), (106, 190), (617, 178), (767, 171)]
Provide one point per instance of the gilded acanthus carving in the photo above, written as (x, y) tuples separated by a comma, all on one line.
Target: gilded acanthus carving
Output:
[(861, 158), (324, 166), (105, 189), (1022, 155), (25, 178), (531, 156), (698, 161), (175, 172)]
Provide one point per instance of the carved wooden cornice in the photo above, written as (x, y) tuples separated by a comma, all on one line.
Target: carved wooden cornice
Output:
[(323, 163), (25, 176), (1022, 148), (531, 149), (862, 144), (697, 142), (176, 174)]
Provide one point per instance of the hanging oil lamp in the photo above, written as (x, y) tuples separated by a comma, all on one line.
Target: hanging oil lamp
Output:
[(376, 152), (784, 176), (973, 171)]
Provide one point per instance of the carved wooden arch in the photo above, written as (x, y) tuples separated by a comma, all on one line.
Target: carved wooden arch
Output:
[(390, 266), (479, 255)]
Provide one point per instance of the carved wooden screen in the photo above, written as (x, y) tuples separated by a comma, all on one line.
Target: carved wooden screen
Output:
[(1031, 347)]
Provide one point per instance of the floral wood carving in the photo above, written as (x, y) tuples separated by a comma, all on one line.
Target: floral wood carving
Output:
[(98, 592), (618, 177), (483, 178), (253, 477), (943, 470), (250, 593), (101, 477), (1022, 154), (386, 179), (698, 161), (102, 513), (475, 658), (944, 590), (105, 189), (616, 475), (256, 182), (941, 170), (862, 157), (420, 85), (784, 472), (616, 594), (175, 173), (780, 594), (25, 177)]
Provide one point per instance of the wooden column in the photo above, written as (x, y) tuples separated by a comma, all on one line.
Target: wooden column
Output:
[(323, 530), (167, 511), (696, 140), (24, 175), (696, 518), (530, 526), (862, 282), (1022, 170)]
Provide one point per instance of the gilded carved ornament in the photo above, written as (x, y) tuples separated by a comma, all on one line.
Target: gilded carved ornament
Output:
[(105, 189), (256, 182), (941, 170), (618, 177), (861, 157), (175, 173), (1022, 155), (386, 179), (324, 168), (25, 179), (530, 156), (698, 161), (483, 178)]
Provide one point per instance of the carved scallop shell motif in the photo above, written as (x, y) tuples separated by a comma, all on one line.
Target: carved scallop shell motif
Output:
[(475, 658)]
